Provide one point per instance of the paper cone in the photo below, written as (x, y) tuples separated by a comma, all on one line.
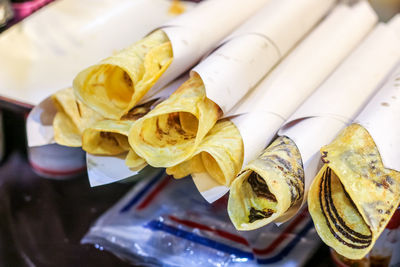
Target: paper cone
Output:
[(340, 98), (101, 169), (266, 108), (250, 52), (283, 91), (198, 31), (381, 118)]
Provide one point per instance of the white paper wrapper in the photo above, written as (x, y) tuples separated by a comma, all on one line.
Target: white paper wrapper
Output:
[(380, 118), (282, 92), (198, 31), (340, 98), (251, 51), (108, 169), (45, 51), (101, 169), (269, 105)]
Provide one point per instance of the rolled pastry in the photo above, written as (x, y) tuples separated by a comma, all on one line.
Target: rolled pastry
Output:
[(116, 84), (353, 196), (171, 132), (72, 118), (267, 187), (220, 154)]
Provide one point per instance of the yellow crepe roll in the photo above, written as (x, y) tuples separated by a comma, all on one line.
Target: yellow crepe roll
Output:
[(220, 155), (107, 137), (171, 132), (353, 196), (110, 137), (267, 187), (116, 84), (134, 162), (71, 119)]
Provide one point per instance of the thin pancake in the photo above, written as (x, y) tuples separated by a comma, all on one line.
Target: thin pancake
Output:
[(353, 196), (267, 187), (110, 137), (172, 131), (116, 84), (72, 118), (220, 155), (134, 162)]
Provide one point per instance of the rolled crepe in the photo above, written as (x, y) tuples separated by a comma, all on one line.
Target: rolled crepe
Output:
[(116, 84), (336, 102), (110, 137), (220, 154), (260, 194), (223, 78), (353, 196), (262, 112), (176, 126), (357, 190), (71, 119)]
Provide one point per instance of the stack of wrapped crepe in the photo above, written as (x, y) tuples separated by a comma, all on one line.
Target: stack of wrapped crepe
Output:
[(116, 84), (77, 125), (273, 186), (171, 132), (108, 93), (356, 192), (232, 143), (71, 119)]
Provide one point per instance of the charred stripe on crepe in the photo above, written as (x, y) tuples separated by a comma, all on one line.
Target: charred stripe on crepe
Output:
[(340, 222), (293, 179), (79, 108), (260, 187), (109, 136), (259, 214), (173, 121), (139, 111), (326, 178)]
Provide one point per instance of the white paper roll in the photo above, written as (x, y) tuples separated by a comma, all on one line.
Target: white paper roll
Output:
[(381, 118), (267, 107), (281, 92), (340, 98), (250, 52), (200, 30)]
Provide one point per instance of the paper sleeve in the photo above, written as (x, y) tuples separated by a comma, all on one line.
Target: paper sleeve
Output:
[(340, 98), (234, 69), (381, 118)]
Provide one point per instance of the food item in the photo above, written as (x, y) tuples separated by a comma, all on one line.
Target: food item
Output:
[(134, 162), (107, 137), (171, 132), (220, 155), (71, 119), (110, 137), (267, 187), (353, 196), (116, 84)]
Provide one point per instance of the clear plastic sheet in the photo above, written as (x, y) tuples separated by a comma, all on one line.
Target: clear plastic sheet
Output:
[(163, 221)]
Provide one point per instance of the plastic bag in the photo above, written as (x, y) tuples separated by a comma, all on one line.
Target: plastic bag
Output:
[(163, 221)]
